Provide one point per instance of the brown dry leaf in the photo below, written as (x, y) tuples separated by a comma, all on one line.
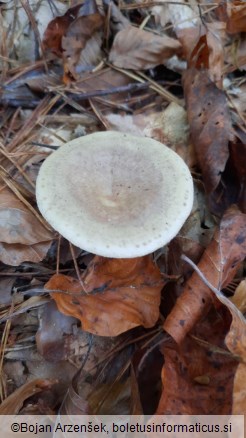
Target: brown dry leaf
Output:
[(54, 333), (18, 224), (75, 37), (204, 48), (118, 21), (236, 343), (104, 79), (237, 166), (13, 403), (15, 254), (23, 237), (82, 44), (236, 11), (52, 38), (215, 33), (137, 49), (122, 294), (218, 264), (210, 125), (239, 297), (239, 391), (198, 374), (169, 127)]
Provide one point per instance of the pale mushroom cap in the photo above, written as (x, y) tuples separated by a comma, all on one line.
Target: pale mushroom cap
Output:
[(114, 194)]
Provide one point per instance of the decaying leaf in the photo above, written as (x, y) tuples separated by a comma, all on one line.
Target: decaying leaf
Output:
[(121, 294), (56, 28), (54, 335), (218, 264), (82, 44), (23, 236), (15, 253), (169, 127), (182, 15), (203, 48), (239, 297), (13, 403), (236, 11), (200, 369), (74, 36), (239, 391), (13, 214), (134, 48), (210, 125)]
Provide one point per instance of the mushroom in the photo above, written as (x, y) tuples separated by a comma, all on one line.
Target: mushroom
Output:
[(114, 194)]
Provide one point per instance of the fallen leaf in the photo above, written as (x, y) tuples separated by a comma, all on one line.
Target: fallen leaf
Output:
[(121, 294), (169, 127), (56, 28), (23, 236), (75, 37), (198, 374), (6, 285), (236, 343), (238, 168), (239, 297), (218, 264), (181, 16), (82, 44), (117, 21), (16, 253), (137, 49), (239, 391), (54, 333), (210, 125), (18, 225), (203, 48), (215, 33), (236, 12), (14, 402), (104, 79)]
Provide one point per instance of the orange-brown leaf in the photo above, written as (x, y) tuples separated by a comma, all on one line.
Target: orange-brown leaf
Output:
[(218, 264), (236, 22), (198, 374), (122, 294)]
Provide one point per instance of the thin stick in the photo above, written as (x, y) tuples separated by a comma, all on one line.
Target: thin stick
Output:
[(58, 254), (229, 304), (76, 267)]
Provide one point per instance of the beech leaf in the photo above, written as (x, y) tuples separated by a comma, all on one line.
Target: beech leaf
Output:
[(137, 49), (121, 294), (218, 264)]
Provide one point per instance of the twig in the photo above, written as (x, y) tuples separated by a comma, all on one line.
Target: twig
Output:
[(216, 291), (159, 3), (76, 267)]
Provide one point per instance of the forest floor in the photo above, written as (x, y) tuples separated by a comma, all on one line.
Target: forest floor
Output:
[(164, 334)]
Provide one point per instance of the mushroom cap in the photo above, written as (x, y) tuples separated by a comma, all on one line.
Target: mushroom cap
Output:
[(114, 194)]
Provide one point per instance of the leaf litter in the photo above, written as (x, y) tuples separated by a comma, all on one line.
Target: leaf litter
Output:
[(170, 72)]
